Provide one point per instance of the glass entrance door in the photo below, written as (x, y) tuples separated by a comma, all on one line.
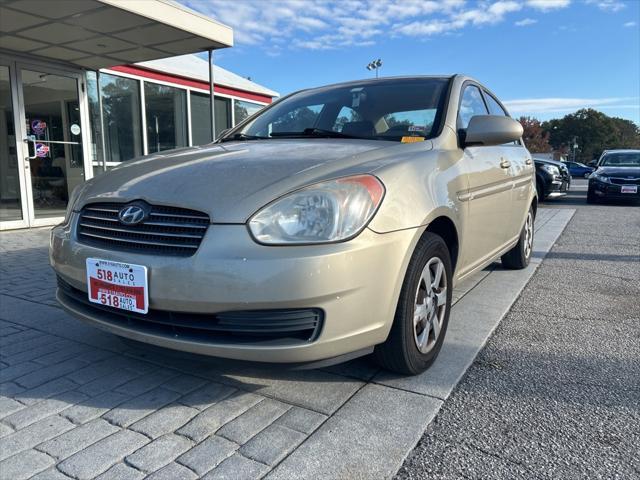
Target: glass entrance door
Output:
[(53, 132), (13, 212)]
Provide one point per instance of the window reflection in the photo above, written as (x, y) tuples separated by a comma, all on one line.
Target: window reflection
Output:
[(201, 117), (121, 112), (166, 115), (243, 110)]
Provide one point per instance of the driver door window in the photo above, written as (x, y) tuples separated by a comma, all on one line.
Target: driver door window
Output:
[(471, 104)]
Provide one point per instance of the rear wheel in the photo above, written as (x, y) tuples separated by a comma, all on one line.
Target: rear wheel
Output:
[(422, 314), (519, 256)]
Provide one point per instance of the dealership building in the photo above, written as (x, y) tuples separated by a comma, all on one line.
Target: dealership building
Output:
[(85, 85)]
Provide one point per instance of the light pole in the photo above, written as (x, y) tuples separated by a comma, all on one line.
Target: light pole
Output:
[(375, 65)]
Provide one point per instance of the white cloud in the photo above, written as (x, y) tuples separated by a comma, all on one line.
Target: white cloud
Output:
[(546, 5), (525, 22), (630, 24), (553, 105), (336, 24), (608, 5)]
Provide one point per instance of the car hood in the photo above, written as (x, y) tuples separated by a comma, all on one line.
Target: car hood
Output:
[(619, 171), (231, 181)]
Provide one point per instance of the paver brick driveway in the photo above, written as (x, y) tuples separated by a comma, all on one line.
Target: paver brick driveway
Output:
[(78, 403)]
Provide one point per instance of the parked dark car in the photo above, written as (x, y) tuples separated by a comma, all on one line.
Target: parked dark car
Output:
[(577, 169), (552, 178), (617, 177)]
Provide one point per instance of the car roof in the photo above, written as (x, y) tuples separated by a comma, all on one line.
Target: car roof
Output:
[(622, 150)]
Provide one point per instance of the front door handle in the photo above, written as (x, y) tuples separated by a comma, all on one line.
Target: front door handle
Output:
[(528, 161), (505, 163)]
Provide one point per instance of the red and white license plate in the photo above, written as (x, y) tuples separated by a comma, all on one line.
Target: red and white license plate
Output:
[(629, 189), (118, 285)]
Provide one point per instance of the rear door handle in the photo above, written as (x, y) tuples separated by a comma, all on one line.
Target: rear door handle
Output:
[(505, 164)]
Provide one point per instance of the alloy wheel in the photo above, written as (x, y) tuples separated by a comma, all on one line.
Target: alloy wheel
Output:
[(430, 305), (528, 235)]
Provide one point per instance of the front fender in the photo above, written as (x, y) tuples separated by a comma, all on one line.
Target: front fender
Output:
[(421, 189)]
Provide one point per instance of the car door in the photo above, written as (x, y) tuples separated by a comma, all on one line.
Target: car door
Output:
[(520, 171), (489, 193)]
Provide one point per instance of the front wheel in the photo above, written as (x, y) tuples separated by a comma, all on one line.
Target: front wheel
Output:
[(422, 314), (591, 197), (519, 256)]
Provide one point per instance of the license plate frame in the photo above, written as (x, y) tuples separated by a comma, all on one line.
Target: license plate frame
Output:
[(119, 285), (629, 189)]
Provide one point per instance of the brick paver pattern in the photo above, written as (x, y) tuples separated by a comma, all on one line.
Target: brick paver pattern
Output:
[(72, 410), (79, 403)]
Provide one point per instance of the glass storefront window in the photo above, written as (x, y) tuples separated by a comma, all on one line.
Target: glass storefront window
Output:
[(201, 117), (166, 115), (121, 112), (10, 204), (243, 110)]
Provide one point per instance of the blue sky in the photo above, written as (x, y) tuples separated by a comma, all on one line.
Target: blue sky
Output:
[(545, 58)]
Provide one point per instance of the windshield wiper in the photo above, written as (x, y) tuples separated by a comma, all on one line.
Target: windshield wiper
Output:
[(315, 132), (242, 136)]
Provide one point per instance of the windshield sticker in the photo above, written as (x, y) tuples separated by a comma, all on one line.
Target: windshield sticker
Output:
[(416, 128), (412, 139)]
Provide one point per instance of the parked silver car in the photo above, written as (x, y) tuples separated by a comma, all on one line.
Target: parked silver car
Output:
[(332, 224)]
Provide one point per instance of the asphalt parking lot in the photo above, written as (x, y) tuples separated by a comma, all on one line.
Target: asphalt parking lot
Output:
[(79, 403), (555, 393)]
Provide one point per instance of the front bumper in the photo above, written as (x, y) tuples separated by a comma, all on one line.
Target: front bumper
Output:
[(558, 185), (355, 284), (613, 191)]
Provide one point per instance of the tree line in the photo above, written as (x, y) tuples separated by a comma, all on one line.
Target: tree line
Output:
[(592, 131)]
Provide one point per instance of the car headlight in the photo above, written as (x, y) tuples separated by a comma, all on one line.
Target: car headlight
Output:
[(552, 169), (325, 212), (600, 178)]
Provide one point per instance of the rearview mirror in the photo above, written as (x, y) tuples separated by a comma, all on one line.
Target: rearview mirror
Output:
[(492, 130)]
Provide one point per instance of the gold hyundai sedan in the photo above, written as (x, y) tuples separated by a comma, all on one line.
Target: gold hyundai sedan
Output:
[(332, 224)]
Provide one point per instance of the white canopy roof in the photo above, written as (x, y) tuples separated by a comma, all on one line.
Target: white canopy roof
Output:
[(102, 33), (192, 66)]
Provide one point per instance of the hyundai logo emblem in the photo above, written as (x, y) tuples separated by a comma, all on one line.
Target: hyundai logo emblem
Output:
[(131, 215)]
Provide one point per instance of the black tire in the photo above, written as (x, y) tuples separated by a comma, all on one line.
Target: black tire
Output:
[(400, 352), (519, 256), (591, 197)]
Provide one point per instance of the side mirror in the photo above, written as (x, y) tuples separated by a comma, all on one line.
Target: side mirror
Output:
[(492, 130)]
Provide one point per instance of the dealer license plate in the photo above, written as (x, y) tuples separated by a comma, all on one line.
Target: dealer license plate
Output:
[(629, 189), (118, 285)]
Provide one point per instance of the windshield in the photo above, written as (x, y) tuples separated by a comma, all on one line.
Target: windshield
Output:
[(384, 110), (627, 159)]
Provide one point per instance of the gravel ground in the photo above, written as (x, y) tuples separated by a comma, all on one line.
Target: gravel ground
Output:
[(556, 391)]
